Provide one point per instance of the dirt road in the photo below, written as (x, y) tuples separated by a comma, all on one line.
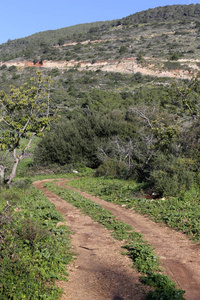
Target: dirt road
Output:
[(100, 272)]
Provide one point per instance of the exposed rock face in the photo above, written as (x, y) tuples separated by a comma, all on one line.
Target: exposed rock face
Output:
[(126, 65)]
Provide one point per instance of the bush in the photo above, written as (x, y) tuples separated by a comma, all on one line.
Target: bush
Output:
[(112, 168), (174, 56), (12, 68), (172, 176), (54, 72), (172, 65), (3, 67)]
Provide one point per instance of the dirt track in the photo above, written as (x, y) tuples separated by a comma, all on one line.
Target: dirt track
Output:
[(100, 272)]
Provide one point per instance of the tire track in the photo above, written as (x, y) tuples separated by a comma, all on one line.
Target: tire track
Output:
[(180, 258)]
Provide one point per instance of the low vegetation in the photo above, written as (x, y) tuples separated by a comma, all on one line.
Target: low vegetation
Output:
[(33, 250), (181, 213), (144, 259), (156, 32), (150, 135)]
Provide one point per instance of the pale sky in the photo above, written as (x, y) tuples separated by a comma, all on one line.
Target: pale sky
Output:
[(21, 18)]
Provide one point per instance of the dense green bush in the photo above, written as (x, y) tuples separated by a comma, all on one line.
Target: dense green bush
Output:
[(113, 168), (172, 175), (70, 142), (81, 139)]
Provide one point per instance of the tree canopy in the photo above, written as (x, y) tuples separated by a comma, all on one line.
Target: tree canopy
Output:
[(25, 113)]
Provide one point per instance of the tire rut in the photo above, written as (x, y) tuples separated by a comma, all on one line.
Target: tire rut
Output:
[(99, 271), (180, 258)]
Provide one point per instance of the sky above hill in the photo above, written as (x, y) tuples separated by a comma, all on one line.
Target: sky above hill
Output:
[(22, 18)]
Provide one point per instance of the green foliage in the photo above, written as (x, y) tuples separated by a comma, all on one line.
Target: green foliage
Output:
[(122, 49), (144, 259), (157, 280), (68, 144), (78, 140), (181, 213), (164, 287), (140, 57), (172, 65), (112, 168), (165, 134), (33, 251), (128, 134), (112, 35), (174, 56), (163, 14), (120, 103), (54, 72), (172, 176), (12, 68), (120, 230), (3, 67), (25, 113), (166, 294), (61, 41)]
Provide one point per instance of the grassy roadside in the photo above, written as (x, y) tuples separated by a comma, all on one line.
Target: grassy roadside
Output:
[(181, 213), (145, 260), (33, 250)]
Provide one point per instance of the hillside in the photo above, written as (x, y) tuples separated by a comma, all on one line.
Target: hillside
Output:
[(157, 33), (114, 108), (161, 42), (130, 83)]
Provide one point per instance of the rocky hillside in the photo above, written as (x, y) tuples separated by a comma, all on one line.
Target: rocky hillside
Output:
[(165, 33), (162, 42)]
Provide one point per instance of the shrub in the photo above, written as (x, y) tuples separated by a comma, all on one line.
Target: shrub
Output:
[(3, 67), (140, 57), (172, 65), (12, 68), (174, 56), (172, 176), (54, 72), (112, 168)]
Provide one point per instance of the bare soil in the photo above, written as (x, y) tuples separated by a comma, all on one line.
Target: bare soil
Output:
[(126, 66), (101, 272)]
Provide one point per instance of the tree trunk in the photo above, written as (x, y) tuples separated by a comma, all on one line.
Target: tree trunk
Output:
[(2, 173), (14, 169)]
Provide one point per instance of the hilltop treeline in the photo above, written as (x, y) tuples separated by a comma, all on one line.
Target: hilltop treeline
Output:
[(162, 14)]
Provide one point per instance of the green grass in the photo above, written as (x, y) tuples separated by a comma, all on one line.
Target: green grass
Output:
[(33, 250), (181, 213), (142, 254)]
